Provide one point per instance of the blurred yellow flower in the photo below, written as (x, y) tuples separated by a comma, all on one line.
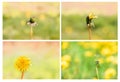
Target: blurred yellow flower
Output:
[(106, 51), (112, 59), (22, 63), (66, 58), (65, 45), (95, 45), (114, 49), (109, 73), (42, 17), (92, 16), (86, 45), (95, 78), (65, 61), (89, 54), (64, 64), (28, 14)]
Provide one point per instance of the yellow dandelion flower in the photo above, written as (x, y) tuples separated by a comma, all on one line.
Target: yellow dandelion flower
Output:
[(106, 51), (88, 54), (95, 45), (92, 15), (65, 45), (42, 17), (109, 73), (22, 63), (114, 49), (66, 58), (64, 65), (112, 59)]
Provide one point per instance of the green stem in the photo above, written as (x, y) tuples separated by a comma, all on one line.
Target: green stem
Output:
[(97, 73), (31, 32), (90, 32)]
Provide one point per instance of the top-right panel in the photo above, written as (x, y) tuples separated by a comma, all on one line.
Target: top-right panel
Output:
[(89, 21)]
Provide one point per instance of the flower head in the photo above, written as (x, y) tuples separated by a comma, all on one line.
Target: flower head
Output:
[(31, 22), (64, 64), (110, 73), (65, 45), (65, 61), (22, 63), (92, 16)]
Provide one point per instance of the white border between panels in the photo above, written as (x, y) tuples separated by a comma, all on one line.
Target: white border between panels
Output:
[(1, 56)]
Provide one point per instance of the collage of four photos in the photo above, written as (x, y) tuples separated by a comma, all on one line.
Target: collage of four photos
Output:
[(60, 40)]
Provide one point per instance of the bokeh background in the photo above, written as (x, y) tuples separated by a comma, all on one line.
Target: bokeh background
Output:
[(44, 58), (79, 60), (16, 14), (74, 20)]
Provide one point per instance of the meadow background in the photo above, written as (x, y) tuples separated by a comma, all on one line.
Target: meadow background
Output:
[(78, 60), (16, 14), (74, 20), (44, 58)]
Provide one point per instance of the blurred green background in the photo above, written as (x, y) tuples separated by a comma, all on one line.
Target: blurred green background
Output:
[(79, 60), (74, 20), (44, 60), (16, 14)]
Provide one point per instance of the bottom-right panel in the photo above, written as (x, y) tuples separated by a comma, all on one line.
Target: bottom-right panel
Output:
[(89, 60)]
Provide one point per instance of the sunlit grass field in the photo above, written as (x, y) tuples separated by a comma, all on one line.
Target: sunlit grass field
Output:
[(74, 27), (16, 15), (80, 59), (44, 60)]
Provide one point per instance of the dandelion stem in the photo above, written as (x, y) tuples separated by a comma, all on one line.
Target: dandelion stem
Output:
[(31, 32), (22, 75), (97, 74), (90, 32)]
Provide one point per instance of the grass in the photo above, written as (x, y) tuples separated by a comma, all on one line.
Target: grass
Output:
[(74, 27)]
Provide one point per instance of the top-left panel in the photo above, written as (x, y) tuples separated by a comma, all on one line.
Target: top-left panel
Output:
[(31, 21)]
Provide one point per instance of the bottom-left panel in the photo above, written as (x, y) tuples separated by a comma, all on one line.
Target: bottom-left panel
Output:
[(31, 60)]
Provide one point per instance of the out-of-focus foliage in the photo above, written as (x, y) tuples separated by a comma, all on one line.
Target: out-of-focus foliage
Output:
[(44, 60), (79, 60), (16, 15), (74, 27)]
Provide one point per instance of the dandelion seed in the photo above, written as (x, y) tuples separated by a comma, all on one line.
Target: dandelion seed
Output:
[(31, 22)]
